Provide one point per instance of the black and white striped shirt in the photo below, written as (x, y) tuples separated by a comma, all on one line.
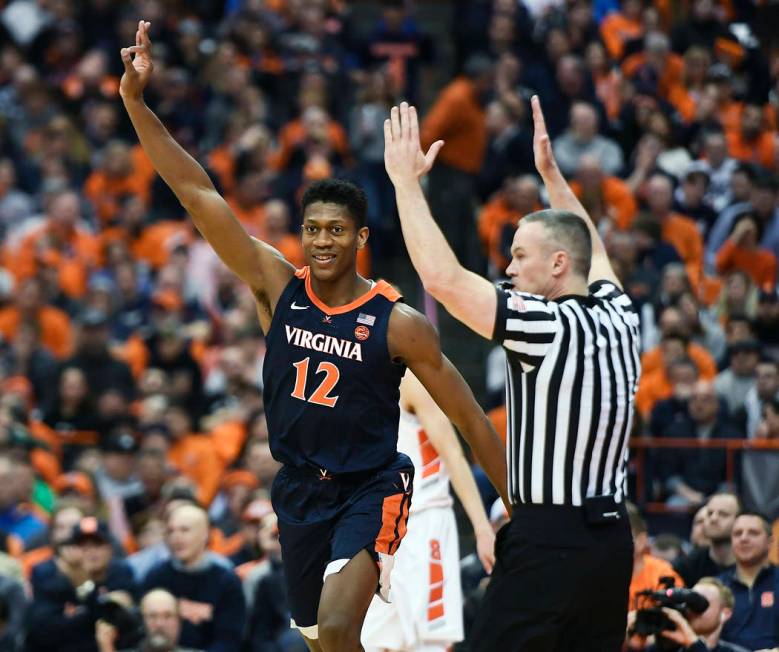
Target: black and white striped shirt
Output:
[(573, 368)]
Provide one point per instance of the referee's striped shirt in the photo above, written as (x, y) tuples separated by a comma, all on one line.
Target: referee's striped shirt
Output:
[(573, 367)]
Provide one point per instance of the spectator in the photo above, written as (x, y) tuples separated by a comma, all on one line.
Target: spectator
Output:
[(102, 370), (719, 166), (721, 511), (702, 632), (762, 205), (677, 230), (269, 619), (63, 519), (620, 27), (741, 251), (161, 622), (647, 570), (509, 145), (753, 582), (15, 205), (734, 383), (30, 307), (752, 142), (582, 139), (690, 474), (689, 198), (603, 196), (116, 475), (211, 602), (766, 389), (66, 589), (18, 518), (457, 117), (760, 469)]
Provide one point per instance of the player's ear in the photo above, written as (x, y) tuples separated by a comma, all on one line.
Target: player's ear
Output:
[(362, 237)]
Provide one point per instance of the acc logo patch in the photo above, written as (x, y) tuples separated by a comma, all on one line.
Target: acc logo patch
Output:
[(362, 333), (767, 599)]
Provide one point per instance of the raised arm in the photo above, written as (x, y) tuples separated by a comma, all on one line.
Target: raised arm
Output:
[(259, 265), (412, 339), (415, 398), (562, 197), (467, 296)]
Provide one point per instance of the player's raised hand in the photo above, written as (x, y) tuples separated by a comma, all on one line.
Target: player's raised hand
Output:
[(485, 548), (138, 64), (542, 145), (403, 156)]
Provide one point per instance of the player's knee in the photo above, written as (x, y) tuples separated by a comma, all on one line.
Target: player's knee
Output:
[(338, 632)]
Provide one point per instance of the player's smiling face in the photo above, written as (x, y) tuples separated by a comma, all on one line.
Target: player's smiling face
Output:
[(330, 240)]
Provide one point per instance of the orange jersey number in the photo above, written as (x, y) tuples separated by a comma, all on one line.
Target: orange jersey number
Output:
[(321, 395)]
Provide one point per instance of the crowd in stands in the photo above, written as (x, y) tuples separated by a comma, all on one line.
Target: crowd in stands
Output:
[(134, 458)]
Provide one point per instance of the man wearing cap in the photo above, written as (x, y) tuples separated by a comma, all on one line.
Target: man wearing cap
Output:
[(116, 475), (689, 197), (66, 590), (734, 383)]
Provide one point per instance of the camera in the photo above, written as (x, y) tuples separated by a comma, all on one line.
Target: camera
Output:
[(128, 625), (650, 619)]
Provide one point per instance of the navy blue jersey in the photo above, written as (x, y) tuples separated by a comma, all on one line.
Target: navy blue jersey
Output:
[(331, 391)]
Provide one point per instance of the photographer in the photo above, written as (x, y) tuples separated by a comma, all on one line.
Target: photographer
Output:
[(697, 632), (80, 585)]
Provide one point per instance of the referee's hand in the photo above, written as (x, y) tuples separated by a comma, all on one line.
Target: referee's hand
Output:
[(485, 548)]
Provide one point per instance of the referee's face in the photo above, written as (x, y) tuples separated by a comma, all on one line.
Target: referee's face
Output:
[(532, 267)]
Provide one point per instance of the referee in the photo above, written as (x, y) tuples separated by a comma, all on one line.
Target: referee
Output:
[(564, 561)]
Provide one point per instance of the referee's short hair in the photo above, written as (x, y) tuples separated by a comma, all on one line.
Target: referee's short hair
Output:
[(570, 233)]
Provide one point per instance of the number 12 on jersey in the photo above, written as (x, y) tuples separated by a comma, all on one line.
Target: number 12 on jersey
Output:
[(321, 395)]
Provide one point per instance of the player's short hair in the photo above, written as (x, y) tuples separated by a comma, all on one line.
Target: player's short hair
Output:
[(725, 594), (570, 232), (340, 192)]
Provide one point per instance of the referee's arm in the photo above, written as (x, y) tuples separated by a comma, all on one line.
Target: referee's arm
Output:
[(563, 198)]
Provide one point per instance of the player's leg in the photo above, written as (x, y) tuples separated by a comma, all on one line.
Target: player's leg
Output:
[(345, 599)]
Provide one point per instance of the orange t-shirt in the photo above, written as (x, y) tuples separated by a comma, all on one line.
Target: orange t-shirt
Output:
[(54, 325), (457, 118), (105, 192), (760, 264), (197, 458), (618, 200), (682, 233), (652, 360), (762, 150)]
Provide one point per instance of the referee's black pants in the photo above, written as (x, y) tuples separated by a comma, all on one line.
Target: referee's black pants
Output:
[(559, 584)]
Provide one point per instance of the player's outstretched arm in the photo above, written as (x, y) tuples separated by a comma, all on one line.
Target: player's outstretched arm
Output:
[(413, 340), (563, 198), (467, 296), (415, 399), (259, 265)]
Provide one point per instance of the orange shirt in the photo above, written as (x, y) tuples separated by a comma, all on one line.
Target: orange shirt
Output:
[(682, 233), (458, 119), (252, 219), (671, 76), (293, 134), (106, 192), (762, 150), (615, 30), (73, 258), (617, 198), (649, 577), (54, 325), (652, 360), (760, 264), (196, 457), (290, 247)]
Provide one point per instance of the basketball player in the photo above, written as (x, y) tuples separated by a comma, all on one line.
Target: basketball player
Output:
[(337, 347), (426, 611)]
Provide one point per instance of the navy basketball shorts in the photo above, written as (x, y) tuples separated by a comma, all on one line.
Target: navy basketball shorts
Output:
[(326, 519)]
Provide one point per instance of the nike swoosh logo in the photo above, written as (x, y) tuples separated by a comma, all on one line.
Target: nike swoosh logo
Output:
[(296, 307)]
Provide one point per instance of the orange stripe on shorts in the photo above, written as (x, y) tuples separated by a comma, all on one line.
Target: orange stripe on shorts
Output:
[(394, 515)]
